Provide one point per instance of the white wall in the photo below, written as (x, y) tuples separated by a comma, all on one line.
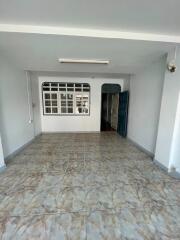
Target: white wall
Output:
[(77, 123), (2, 164), (145, 100), (14, 121), (36, 104), (174, 161), (127, 84), (167, 122)]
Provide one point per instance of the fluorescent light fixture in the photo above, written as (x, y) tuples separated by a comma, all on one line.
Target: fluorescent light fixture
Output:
[(86, 61)]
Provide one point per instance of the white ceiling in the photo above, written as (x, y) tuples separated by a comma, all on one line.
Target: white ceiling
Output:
[(38, 52), (160, 16), (85, 30)]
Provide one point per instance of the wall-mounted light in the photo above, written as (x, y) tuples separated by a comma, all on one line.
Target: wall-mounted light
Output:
[(83, 61)]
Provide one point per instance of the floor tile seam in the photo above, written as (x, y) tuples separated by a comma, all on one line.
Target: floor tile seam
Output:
[(89, 211), (59, 171), (109, 183), (85, 187), (84, 158), (71, 186), (46, 214), (112, 211)]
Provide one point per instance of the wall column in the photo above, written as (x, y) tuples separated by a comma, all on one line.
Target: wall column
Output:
[(2, 163), (166, 153)]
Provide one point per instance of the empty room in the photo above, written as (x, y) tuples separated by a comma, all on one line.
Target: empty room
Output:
[(89, 120)]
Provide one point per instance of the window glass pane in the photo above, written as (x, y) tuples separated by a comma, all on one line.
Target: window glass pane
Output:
[(63, 96), (54, 84), (47, 103), (62, 89), (54, 103), (85, 97), (70, 110), (48, 110), (54, 96), (78, 110), (86, 90), (46, 89), (78, 97), (85, 85), (85, 110), (78, 103), (70, 89), (54, 110), (63, 103), (62, 86), (63, 110), (47, 96), (85, 104), (70, 96), (70, 85), (54, 89), (78, 89), (45, 84), (70, 103)]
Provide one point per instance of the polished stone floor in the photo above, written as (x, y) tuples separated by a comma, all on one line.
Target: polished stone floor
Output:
[(87, 186)]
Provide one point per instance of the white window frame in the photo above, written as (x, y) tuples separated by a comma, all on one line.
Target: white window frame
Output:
[(66, 106), (76, 86), (75, 101), (50, 100)]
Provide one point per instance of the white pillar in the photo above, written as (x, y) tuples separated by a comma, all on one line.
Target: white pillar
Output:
[(167, 146), (2, 163), (175, 149)]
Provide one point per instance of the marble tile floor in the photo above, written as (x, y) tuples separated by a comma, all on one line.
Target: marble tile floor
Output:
[(93, 186)]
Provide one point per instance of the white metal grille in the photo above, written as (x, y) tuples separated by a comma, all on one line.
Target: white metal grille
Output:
[(66, 98)]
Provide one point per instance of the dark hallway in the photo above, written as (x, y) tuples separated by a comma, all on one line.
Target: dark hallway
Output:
[(109, 107)]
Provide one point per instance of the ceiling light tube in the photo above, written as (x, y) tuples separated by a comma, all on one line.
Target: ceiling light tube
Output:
[(87, 61)]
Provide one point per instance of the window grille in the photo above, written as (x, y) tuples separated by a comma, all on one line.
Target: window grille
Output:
[(66, 98)]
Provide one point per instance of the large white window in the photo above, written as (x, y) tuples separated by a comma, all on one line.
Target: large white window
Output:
[(66, 98)]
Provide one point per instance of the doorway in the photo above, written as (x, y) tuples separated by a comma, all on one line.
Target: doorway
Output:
[(109, 107)]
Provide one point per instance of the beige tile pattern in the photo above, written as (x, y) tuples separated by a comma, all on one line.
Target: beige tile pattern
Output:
[(93, 186)]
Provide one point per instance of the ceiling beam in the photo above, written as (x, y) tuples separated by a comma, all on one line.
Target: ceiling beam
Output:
[(86, 32)]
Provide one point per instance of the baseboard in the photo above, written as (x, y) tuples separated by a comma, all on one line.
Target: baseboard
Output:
[(141, 148), (172, 174), (160, 165), (50, 132), (2, 168), (16, 152)]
